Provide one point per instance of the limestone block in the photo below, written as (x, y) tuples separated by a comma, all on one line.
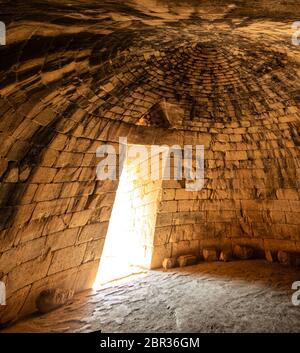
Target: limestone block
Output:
[(189, 217), (62, 239), (279, 216), (89, 160), (187, 260), (182, 194), (293, 218), (80, 218), (69, 159), (105, 213), (56, 224), (24, 174), (236, 155), (169, 262), (287, 194), (81, 145), (67, 174), (164, 219), (3, 166), (51, 299), (50, 208), (280, 244), (221, 146), (168, 194), (288, 258), (10, 311), (181, 233), (93, 231), (284, 257), (243, 252), (168, 206), (86, 275), (47, 192), (161, 235), (23, 213), (31, 230), (67, 258), (45, 117), (171, 184), (59, 142), (22, 253), (225, 255), (49, 157), (94, 250), (44, 175), (77, 204), (245, 225), (210, 254), (28, 194), (12, 176), (27, 273), (221, 216), (188, 206), (271, 255), (185, 247)]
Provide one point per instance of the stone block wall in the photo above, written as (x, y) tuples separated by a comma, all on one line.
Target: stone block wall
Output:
[(54, 212), (59, 216), (57, 223), (250, 195)]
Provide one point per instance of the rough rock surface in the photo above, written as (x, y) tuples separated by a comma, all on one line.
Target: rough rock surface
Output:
[(271, 255), (288, 258), (238, 296), (51, 299), (186, 260), (210, 254), (225, 255), (169, 262), (243, 252)]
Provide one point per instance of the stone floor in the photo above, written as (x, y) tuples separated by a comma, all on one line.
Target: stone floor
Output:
[(239, 296)]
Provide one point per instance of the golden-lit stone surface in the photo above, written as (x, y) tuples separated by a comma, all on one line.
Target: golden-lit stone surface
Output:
[(77, 74)]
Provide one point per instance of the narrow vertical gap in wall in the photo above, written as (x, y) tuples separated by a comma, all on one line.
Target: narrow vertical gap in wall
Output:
[(129, 241)]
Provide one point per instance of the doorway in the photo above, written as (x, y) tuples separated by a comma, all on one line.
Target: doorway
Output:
[(129, 241)]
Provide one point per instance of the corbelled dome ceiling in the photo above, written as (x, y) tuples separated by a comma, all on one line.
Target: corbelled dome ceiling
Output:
[(210, 81), (213, 60)]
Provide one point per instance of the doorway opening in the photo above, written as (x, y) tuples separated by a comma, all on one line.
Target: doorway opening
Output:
[(129, 240)]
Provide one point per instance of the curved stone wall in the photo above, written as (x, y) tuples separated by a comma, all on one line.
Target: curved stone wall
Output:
[(80, 74)]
